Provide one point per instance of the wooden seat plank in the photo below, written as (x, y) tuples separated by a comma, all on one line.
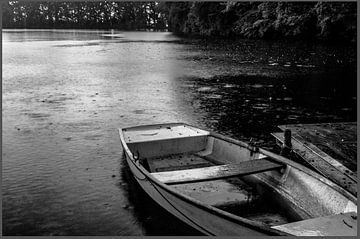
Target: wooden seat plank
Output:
[(216, 172)]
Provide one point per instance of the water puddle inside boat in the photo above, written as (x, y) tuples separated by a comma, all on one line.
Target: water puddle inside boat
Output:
[(261, 208), (233, 195), (238, 198)]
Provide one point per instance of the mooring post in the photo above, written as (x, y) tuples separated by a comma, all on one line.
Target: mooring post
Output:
[(286, 147)]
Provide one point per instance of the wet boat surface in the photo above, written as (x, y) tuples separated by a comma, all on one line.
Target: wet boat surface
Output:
[(221, 186)]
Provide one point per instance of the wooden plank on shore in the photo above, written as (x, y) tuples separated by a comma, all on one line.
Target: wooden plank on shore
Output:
[(326, 157), (325, 168), (336, 140), (216, 172)]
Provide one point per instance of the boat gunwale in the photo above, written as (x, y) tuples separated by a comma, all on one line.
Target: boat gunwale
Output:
[(286, 161), (159, 124), (262, 227)]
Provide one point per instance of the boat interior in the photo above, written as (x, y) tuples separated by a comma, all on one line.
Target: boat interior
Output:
[(238, 180)]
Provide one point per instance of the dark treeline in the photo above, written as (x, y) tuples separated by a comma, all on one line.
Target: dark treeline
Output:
[(310, 20), (99, 15), (314, 20)]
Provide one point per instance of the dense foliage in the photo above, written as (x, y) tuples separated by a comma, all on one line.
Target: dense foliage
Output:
[(320, 20), (110, 15)]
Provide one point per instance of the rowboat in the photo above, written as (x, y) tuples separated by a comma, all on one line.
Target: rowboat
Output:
[(222, 186)]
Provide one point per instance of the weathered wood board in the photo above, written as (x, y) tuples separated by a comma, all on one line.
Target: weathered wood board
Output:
[(328, 148), (338, 140), (216, 172), (177, 162)]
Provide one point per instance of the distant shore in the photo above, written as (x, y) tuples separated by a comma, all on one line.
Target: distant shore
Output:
[(311, 21)]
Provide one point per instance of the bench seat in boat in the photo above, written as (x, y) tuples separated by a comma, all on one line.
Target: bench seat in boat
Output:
[(216, 172), (177, 162), (162, 132)]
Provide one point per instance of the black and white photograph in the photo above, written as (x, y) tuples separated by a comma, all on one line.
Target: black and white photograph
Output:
[(179, 118)]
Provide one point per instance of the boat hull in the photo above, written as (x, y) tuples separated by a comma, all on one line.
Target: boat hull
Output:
[(287, 185), (203, 220)]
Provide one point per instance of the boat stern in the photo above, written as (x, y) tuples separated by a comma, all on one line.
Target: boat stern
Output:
[(164, 139)]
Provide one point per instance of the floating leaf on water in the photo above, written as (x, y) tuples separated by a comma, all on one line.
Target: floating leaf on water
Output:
[(229, 86), (214, 96), (293, 117), (205, 88), (257, 86), (273, 64), (306, 66)]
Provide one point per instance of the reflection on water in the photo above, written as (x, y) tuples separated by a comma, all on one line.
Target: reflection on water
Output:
[(65, 93)]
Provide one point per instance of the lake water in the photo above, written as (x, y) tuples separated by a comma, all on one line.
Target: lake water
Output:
[(65, 93)]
